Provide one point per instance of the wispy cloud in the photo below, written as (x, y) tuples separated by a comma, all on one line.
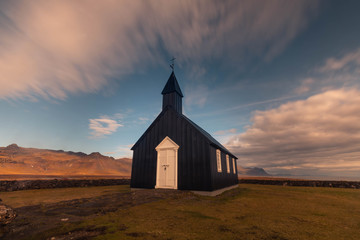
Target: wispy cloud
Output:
[(224, 132), (196, 96), (335, 72), (100, 127), (241, 106), (224, 136), (143, 120), (121, 151), (124, 150), (351, 59), (305, 86), (51, 49), (318, 135)]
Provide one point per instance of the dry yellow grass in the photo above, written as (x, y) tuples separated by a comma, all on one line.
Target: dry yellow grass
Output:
[(42, 196), (249, 212)]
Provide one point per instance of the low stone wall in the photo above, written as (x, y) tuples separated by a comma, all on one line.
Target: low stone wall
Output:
[(16, 185), (8, 186), (303, 183)]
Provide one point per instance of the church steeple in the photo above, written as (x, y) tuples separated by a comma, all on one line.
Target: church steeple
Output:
[(172, 95)]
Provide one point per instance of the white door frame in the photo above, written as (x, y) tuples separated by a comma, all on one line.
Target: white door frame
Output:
[(167, 144)]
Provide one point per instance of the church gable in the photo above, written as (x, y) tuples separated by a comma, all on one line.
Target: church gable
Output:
[(170, 123), (158, 123)]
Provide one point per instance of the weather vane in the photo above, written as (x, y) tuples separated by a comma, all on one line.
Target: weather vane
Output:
[(172, 65)]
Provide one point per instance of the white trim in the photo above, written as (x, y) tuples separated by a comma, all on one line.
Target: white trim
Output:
[(160, 146), (218, 160), (167, 144), (227, 164)]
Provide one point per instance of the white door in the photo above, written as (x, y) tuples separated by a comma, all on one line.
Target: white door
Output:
[(166, 175), (167, 168)]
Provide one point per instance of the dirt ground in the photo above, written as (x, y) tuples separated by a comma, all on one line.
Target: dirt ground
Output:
[(32, 220)]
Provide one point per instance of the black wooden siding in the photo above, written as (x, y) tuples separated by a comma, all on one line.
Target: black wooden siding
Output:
[(222, 179), (174, 100), (193, 153)]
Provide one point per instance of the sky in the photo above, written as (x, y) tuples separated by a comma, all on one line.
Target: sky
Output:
[(277, 82)]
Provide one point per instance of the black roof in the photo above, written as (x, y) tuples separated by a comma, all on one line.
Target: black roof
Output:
[(172, 85), (212, 140)]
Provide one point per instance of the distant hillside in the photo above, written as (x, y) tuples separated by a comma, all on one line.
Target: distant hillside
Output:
[(32, 161), (252, 171)]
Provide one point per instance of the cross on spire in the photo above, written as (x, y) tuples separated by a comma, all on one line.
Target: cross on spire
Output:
[(172, 65)]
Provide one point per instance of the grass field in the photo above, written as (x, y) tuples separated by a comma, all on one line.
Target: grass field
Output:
[(42, 196), (249, 212)]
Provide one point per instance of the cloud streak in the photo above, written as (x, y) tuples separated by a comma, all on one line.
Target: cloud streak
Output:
[(319, 135), (196, 96), (50, 49), (101, 127), (342, 63), (335, 72), (224, 132)]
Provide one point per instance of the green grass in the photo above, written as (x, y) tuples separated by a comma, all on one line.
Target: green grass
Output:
[(33, 197), (255, 212), (249, 212)]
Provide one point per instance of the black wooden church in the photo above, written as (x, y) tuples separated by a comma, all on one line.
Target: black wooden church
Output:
[(176, 153)]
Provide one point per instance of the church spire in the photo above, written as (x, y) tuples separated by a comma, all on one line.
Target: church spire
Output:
[(172, 85), (172, 95)]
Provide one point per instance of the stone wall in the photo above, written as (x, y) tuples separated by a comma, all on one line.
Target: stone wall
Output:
[(303, 183), (8, 186)]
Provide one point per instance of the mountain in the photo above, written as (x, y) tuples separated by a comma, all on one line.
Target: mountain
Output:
[(33, 161), (254, 171)]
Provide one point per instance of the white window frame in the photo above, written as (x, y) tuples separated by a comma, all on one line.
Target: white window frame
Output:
[(234, 170), (227, 164), (218, 160)]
